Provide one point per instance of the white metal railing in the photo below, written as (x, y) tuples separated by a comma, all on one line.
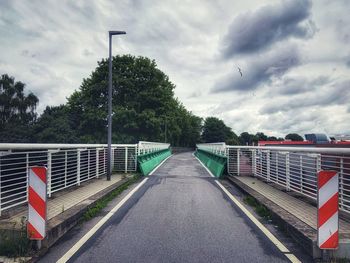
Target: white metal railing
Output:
[(217, 148), (68, 165), (148, 147), (294, 168)]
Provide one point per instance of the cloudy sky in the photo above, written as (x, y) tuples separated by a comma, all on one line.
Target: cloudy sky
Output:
[(294, 55)]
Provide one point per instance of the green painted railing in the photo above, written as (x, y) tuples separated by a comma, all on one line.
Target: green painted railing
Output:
[(214, 162), (148, 161)]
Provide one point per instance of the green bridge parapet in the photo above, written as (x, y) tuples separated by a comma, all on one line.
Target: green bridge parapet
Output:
[(214, 162), (148, 161)]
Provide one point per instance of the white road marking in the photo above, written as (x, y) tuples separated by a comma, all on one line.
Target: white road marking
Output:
[(92, 231), (267, 233), (159, 165), (206, 168)]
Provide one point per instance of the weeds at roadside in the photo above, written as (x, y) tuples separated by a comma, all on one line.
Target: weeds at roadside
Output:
[(102, 203), (260, 209), (15, 243)]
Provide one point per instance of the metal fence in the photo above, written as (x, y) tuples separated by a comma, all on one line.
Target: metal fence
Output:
[(147, 147), (68, 165), (294, 168)]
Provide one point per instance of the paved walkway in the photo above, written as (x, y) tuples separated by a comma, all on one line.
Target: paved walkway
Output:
[(302, 210), (61, 201)]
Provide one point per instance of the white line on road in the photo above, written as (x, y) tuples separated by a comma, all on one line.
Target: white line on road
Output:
[(267, 233), (206, 168), (92, 231), (159, 165)]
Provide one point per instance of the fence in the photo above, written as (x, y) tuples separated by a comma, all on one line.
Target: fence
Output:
[(68, 165), (148, 147), (294, 168)]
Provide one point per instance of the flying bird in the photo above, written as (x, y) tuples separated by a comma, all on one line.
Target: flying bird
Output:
[(240, 71)]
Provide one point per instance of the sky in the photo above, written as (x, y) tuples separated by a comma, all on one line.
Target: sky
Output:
[(294, 55)]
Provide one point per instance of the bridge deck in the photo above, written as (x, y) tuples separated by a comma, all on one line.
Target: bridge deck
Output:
[(179, 215)]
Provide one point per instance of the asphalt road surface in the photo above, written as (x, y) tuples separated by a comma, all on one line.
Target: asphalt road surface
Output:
[(179, 215)]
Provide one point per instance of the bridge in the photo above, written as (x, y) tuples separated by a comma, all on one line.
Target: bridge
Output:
[(220, 203)]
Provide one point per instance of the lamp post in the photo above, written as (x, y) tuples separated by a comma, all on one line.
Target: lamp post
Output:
[(109, 150)]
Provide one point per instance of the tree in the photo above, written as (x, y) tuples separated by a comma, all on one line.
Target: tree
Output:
[(215, 130), (17, 111), (143, 101), (294, 137), (54, 126)]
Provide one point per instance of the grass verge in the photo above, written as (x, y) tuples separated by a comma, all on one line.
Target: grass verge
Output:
[(103, 202), (260, 209)]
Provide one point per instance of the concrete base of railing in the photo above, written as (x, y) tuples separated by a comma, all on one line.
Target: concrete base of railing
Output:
[(62, 223), (303, 234), (147, 162), (214, 162)]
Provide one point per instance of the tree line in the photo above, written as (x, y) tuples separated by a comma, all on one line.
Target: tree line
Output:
[(144, 108)]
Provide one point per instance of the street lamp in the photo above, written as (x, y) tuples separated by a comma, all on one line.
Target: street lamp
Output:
[(109, 150)]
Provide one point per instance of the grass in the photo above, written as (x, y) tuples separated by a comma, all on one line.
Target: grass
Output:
[(103, 202), (14, 243), (260, 209)]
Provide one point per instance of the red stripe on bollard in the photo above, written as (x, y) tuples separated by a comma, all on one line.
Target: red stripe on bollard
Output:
[(37, 203), (327, 212)]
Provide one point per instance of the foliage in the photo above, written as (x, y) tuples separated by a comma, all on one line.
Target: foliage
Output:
[(246, 138), (294, 137), (17, 111), (144, 106), (103, 202), (215, 130), (54, 125)]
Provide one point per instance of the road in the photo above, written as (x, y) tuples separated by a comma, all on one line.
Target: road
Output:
[(179, 215)]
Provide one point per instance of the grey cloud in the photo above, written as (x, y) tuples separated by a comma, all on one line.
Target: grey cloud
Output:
[(260, 69), (292, 86), (335, 94), (254, 31)]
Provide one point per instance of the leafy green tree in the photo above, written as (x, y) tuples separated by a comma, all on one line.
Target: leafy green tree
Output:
[(143, 102), (17, 111), (54, 126), (294, 137), (246, 138), (215, 130)]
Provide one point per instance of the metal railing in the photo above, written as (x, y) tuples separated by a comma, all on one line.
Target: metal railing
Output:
[(68, 165), (217, 148), (148, 147), (294, 168)]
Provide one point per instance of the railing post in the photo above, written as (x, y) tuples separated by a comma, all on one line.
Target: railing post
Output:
[(49, 172), (254, 161), (78, 166), (27, 176), (65, 168), (277, 163), (287, 172), (88, 164), (341, 182), (301, 172), (97, 162), (0, 188), (112, 164), (238, 162), (126, 159), (268, 172), (104, 161)]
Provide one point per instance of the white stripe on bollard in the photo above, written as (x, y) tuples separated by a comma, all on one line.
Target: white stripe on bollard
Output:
[(327, 212), (37, 203)]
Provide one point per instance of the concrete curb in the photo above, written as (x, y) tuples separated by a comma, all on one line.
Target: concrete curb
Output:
[(302, 233)]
